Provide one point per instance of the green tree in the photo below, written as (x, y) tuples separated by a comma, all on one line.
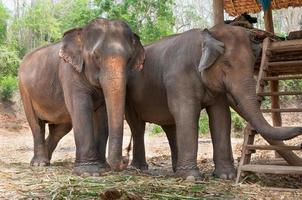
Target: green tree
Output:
[(151, 19), (37, 26), (9, 61), (3, 22), (77, 13), (8, 85)]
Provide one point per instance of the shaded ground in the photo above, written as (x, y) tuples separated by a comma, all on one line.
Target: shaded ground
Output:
[(20, 181)]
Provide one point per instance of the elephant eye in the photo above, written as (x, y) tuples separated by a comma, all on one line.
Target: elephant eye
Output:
[(129, 60), (226, 62)]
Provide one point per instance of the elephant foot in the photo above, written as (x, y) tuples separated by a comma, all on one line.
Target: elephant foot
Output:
[(188, 174), (227, 173), (143, 166), (39, 161), (49, 153), (174, 168), (90, 168), (119, 165)]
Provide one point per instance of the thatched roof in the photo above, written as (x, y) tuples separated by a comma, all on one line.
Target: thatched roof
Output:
[(237, 7)]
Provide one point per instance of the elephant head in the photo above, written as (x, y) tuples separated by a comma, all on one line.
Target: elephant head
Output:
[(103, 52), (227, 65)]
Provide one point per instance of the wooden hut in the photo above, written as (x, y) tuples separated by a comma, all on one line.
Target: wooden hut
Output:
[(280, 60)]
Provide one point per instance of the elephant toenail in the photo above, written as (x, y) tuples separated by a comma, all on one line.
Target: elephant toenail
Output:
[(85, 174), (96, 174), (223, 176), (190, 179)]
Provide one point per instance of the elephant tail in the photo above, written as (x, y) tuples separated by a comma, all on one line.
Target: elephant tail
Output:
[(128, 148)]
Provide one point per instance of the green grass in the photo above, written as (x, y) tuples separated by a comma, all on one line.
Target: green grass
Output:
[(20, 181), (57, 182), (156, 129), (203, 124), (238, 124), (162, 188)]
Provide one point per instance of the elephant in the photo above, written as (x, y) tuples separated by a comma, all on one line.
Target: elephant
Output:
[(185, 73), (80, 83)]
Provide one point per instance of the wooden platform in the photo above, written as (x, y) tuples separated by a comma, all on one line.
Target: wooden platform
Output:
[(272, 169), (280, 60), (285, 58)]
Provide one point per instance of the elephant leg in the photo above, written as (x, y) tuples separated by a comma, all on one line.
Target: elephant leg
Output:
[(100, 124), (56, 133), (139, 153), (80, 107), (37, 127), (220, 128), (170, 131), (40, 157), (137, 128), (186, 113)]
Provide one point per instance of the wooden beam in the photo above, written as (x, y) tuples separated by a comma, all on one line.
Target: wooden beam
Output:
[(291, 63), (274, 78), (218, 11), (273, 147), (293, 70), (290, 157), (281, 110), (288, 45), (274, 169), (279, 93), (249, 136)]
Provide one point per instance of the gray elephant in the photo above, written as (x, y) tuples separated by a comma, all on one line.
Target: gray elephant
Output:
[(185, 73), (73, 84)]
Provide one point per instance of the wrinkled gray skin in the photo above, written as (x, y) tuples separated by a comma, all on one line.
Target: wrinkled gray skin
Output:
[(185, 73), (67, 84)]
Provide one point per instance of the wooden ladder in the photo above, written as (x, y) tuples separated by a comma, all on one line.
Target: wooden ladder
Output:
[(270, 70)]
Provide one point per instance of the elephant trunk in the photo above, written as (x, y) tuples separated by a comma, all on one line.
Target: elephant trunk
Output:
[(114, 87), (248, 106)]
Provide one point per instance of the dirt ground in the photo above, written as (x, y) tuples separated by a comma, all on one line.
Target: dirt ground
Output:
[(20, 181)]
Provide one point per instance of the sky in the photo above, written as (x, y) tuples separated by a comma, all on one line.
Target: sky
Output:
[(9, 4)]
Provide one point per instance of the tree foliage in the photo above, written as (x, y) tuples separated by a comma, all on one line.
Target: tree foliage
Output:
[(151, 19), (34, 23), (37, 26), (9, 61), (77, 13), (3, 22)]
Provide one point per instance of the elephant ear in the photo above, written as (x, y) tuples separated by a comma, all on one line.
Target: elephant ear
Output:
[(211, 50), (72, 47), (138, 57)]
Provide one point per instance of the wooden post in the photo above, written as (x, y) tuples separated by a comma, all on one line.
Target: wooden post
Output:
[(276, 117), (218, 11), (274, 85), (268, 20)]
